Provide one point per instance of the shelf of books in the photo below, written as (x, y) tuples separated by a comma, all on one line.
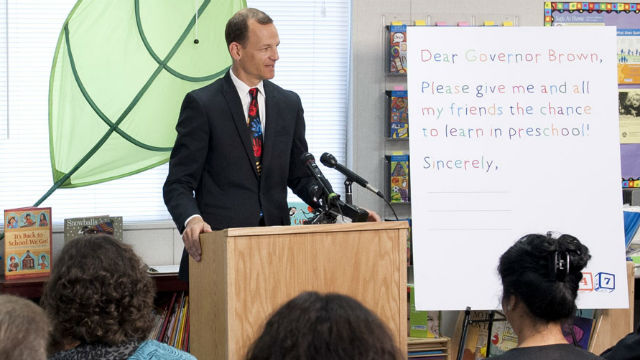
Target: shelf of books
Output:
[(172, 321)]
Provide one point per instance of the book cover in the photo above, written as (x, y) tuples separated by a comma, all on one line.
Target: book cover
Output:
[(176, 318), (398, 115), (417, 319), (472, 350), (299, 212), (185, 343), (398, 49), (399, 179), (74, 227), (167, 315), (581, 330), (628, 56), (475, 344), (503, 338), (422, 324), (27, 242)]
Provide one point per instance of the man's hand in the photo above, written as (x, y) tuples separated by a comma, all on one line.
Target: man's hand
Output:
[(373, 216), (191, 236)]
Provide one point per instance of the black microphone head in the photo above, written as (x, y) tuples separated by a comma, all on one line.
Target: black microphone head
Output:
[(306, 157), (328, 160)]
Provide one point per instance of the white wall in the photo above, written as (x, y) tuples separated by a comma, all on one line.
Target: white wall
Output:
[(157, 243)]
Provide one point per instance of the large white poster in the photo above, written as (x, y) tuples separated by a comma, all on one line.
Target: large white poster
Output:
[(513, 131)]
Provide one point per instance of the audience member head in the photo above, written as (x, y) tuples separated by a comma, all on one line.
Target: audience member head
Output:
[(543, 272), (24, 329), (98, 292), (332, 326)]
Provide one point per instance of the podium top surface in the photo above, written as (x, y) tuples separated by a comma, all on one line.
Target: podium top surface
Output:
[(299, 229)]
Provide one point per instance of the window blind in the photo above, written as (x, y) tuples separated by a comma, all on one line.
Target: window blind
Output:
[(4, 101), (313, 62)]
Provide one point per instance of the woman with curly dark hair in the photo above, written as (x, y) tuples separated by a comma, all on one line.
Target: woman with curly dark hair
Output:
[(329, 327), (100, 300), (540, 278)]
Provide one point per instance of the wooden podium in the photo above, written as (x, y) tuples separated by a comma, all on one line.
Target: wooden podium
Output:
[(247, 273)]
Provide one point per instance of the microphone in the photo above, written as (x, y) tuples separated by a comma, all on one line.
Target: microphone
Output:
[(335, 205), (330, 161), (310, 163)]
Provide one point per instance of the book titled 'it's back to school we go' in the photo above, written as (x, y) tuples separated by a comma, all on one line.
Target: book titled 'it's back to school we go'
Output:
[(27, 242)]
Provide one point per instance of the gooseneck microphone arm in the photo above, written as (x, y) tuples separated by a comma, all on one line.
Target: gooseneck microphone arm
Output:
[(331, 205), (310, 163), (329, 160)]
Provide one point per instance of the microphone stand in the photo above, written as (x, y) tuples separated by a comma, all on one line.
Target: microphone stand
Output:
[(322, 215), (348, 192), (330, 207)]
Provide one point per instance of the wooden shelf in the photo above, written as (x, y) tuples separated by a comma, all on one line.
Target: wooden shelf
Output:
[(32, 287), (422, 348)]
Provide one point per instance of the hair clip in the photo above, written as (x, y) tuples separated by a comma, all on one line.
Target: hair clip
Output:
[(553, 235), (561, 264)]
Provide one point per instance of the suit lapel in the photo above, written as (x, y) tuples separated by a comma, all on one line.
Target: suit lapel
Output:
[(271, 101), (237, 113)]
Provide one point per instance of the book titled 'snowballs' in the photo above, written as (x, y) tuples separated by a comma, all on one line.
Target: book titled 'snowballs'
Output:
[(27, 242)]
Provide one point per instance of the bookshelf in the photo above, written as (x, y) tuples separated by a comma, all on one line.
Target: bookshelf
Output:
[(32, 288), (429, 348), (171, 305)]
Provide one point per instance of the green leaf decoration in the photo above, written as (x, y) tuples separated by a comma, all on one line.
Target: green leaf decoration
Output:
[(120, 71)]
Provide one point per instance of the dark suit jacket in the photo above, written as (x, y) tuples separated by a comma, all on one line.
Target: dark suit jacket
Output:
[(212, 169)]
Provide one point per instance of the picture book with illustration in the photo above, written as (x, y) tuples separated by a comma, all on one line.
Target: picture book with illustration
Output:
[(27, 242), (111, 225), (399, 178), (398, 115), (398, 49)]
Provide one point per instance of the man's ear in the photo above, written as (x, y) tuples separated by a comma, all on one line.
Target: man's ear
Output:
[(235, 50)]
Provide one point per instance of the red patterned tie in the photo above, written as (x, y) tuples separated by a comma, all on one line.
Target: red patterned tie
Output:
[(253, 122)]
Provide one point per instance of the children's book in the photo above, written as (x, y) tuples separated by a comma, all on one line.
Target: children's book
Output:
[(399, 179), (27, 242), (111, 225), (581, 331), (398, 115), (398, 49), (299, 212), (503, 338), (422, 324)]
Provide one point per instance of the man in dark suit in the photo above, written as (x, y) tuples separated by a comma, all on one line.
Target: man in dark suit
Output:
[(239, 144)]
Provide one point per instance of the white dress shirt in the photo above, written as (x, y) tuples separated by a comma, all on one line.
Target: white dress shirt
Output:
[(245, 98)]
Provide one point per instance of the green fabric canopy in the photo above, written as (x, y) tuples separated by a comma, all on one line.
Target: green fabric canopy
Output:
[(120, 71)]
